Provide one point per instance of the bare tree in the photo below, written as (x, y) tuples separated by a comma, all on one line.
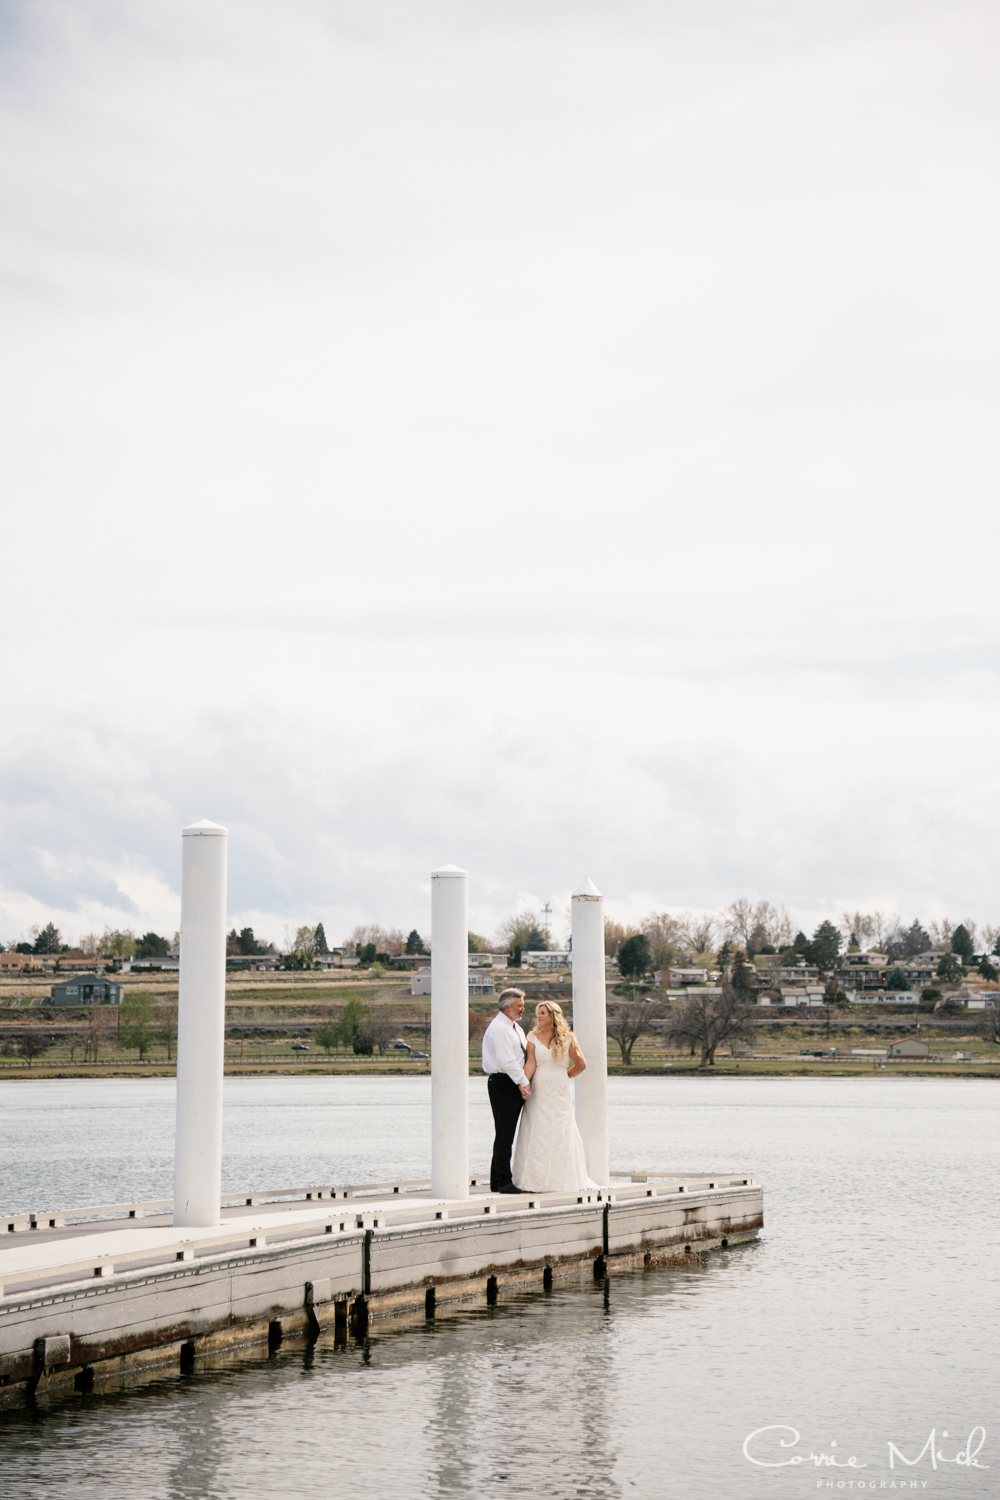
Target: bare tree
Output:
[(886, 928), (740, 919), (699, 931), (616, 933), (34, 1045), (989, 935), (706, 1021), (665, 934), (389, 940), (753, 923), (858, 925), (525, 930), (972, 929), (380, 1029), (941, 933), (631, 1020), (989, 1026)]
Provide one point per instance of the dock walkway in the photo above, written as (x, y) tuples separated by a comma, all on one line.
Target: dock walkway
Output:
[(90, 1296)]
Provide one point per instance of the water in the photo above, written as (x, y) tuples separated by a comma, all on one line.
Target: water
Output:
[(867, 1312)]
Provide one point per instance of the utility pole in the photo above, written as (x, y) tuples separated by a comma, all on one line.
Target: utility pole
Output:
[(547, 914)]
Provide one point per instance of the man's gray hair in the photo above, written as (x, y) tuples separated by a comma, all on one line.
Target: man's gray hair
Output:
[(506, 996)]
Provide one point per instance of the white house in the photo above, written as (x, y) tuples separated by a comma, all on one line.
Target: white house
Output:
[(479, 983)]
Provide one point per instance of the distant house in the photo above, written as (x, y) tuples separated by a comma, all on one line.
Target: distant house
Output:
[(166, 963), (13, 963), (87, 989), (479, 983), (909, 1047), (547, 958), (676, 978), (337, 959), (883, 997)]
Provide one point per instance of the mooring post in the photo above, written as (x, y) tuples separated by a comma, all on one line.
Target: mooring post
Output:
[(201, 1026), (449, 1033), (591, 1027)]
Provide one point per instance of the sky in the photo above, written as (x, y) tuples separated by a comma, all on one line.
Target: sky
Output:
[(555, 440)]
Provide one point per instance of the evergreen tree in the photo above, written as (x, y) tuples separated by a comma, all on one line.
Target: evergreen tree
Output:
[(962, 944), (320, 939), (48, 940), (825, 945), (415, 943), (635, 956)]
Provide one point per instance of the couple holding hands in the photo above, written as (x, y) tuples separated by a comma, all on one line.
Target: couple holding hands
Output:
[(529, 1087)]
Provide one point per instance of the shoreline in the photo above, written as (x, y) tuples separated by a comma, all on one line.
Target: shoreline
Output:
[(793, 1069)]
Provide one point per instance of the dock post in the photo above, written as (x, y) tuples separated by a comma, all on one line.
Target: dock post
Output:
[(201, 1026), (591, 1028), (449, 1033)]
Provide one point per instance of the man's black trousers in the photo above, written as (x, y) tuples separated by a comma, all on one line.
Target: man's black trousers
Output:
[(506, 1104)]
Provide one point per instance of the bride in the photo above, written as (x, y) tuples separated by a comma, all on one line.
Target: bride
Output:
[(549, 1157)]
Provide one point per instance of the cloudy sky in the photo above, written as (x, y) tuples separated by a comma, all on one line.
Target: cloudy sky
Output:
[(555, 439)]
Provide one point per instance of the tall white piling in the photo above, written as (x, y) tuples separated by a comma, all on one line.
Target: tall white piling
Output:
[(201, 1026), (449, 1033), (590, 1025)]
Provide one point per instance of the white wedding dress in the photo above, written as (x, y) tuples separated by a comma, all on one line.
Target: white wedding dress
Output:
[(548, 1155)]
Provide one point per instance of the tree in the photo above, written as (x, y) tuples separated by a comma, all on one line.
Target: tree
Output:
[(304, 944), (524, 929), (151, 945), (477, 944), (698, 932), (753, 923), (247, 943), (949, 969), (634, 956), (631, 1020), (988, 970), (858, 927), (941, 932), (706, 1021), (327, 1035), (897, 980), (666, 933), (908, 942), (962, 944), (322, 945), (929, 997), (365, 953), (34, 1044), (741, 978), (380, 1029), (386, 939), (989, 1026), (825, 945), (136, 1021), (48, 939), (117, 944), (415, 943), (615, 934), (168, 1031), (349, 1020)]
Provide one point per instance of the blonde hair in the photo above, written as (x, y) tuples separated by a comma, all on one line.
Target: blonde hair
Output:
[(562, 1036)]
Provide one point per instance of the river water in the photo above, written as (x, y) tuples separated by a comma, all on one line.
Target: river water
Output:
[(867, 1314)]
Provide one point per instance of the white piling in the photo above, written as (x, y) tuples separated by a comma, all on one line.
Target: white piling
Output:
[(201, 1026), (590, 1025), (449, 1033)]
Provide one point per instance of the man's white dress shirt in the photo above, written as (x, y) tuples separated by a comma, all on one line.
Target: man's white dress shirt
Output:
[(504, 1048)]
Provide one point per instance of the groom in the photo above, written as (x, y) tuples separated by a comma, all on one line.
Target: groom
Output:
[(504, 1052)]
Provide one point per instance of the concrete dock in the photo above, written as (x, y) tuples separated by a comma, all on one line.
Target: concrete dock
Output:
[(92, 1297)]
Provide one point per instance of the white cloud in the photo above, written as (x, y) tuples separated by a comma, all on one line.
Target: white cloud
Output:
[(555, 441)]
